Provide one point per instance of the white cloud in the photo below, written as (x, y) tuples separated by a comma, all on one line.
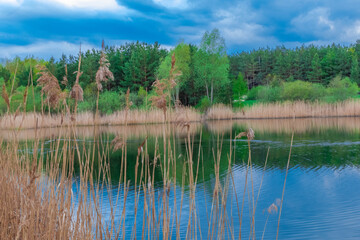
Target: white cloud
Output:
[(316, 22), (43, 49), (94, 5), (46, 49), (179, 4), (11, 2), (239, 26), (167, 47), (351, 32)]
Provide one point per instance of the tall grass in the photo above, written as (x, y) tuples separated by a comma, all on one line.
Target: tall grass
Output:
[(55, 191), (88, 119), (299, 126), (217, 112)]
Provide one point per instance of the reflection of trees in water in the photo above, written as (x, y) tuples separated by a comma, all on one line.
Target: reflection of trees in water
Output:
[(328, 142), (346, 124)]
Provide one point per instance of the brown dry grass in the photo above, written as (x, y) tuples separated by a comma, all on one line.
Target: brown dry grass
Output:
[(88, 119), (347, 124), (217, 112), (349, 108), (37, 201)]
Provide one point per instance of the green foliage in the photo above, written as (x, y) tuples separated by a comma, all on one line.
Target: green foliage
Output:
[(109, 102), (269, 94), (253, 93), (338, 90), (271, 74), (297, 90), (275, 81), (141, 68), (355, 72), (211, 63), (239, 87), (182, 65), (300, 90), (342, 88), (315, 74), (204, 104)]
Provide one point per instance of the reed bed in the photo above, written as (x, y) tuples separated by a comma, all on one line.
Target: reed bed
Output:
[(217, 112), (131, 117), (39, 200), (299, 126), (301, 109), (298, 109)]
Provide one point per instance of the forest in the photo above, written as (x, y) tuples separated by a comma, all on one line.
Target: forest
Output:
[(208, 74)]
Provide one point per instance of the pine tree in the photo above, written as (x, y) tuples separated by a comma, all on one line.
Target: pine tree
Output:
[(315, 74), (355, 74)]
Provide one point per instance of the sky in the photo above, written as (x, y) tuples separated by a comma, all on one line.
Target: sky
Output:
[(45, 28)]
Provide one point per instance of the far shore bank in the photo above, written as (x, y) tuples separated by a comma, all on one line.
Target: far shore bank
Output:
[(288, 110)]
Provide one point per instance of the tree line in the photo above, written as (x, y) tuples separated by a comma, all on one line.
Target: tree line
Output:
[(208, 74)]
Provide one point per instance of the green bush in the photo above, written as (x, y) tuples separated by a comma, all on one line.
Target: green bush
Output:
[(297, 90), (109, 102), (87, 106), (239, 87), (204, 104), (252, 94), (318, 92), (342, 89), (269, 94)]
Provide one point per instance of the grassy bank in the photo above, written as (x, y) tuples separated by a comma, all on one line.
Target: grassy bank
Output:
[(350, 108)]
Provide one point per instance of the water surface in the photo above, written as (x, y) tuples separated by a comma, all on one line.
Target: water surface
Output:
[(322, 197)]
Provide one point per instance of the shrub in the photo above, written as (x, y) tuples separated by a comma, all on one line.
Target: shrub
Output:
[(252, 94), (87, 105), (269, 94), (342, 89), (109, 102), (318, 92), (204, 104), (239, 87), (297, 90)]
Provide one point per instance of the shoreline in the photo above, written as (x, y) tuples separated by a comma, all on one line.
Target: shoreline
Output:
[(185, 115)]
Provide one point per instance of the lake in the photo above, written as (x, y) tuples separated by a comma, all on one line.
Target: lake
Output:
[(321, 198)]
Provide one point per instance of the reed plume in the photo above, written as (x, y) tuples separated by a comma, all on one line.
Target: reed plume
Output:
[(50, 86), (164, 87), (103, 74), (117, 143)]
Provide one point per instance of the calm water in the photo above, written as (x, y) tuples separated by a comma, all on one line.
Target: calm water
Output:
[(322, 195)]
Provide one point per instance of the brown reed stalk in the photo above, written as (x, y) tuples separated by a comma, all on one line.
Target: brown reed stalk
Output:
[(13, 82), (250, 136), (65, 77), (164, 87), (5, 96), (77, 92), (283, 192), (102, 75)]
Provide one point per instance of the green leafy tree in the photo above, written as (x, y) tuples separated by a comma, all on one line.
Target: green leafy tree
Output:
[(182, 64), (211, 63), (239, 87)]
